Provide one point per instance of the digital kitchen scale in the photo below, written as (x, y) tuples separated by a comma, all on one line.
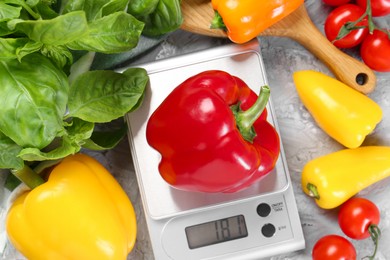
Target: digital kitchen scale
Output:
[(258, 222)]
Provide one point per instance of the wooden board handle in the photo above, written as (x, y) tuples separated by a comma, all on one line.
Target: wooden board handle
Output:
[(299, 27)]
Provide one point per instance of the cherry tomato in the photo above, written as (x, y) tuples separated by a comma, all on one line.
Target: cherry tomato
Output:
[(339, 17), (333, 247), (336, 2), (378, 7), (356, 216), (358, 219), (375, 51)]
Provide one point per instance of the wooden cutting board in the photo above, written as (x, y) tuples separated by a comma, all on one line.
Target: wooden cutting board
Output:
[(297, 26)]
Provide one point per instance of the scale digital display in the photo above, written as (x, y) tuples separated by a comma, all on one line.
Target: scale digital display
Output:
[(217, 231)]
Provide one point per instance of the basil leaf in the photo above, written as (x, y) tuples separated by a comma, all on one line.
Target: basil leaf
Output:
[(28, 48), (166, 17), (8, 12), (115, 33), (103, 140), (141, 7), (79, 130), (71, 143), (114, 6), (32, 3), (9, 154), (34, 96), (66, 148), (95, 9), (4, 30), (102, 96), (140, 78), (46, 11), (59, 54), (60, 30), (10, 46)]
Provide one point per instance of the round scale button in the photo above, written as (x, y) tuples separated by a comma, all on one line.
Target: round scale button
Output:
[(268, 230), (263, 209)]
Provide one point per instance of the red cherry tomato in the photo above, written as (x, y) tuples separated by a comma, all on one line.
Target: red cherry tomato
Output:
[(339, 17), (356, 216), (333, 247), (359, 219), (375, 51), (336, 2), (378, 7)]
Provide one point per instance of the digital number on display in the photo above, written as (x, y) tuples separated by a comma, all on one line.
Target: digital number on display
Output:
[(217, 231)]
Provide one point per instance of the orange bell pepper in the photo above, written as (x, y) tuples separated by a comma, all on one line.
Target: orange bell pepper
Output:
[(245, 20)]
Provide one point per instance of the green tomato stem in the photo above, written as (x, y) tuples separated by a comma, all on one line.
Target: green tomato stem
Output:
[(371, 25), (375, 233), (246, 119), (28, 177), (349, 26)]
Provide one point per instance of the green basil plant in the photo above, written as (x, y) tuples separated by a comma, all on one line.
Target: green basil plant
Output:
[(52, 104)]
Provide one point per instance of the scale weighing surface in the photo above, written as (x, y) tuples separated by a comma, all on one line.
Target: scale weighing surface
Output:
[(258, 222)]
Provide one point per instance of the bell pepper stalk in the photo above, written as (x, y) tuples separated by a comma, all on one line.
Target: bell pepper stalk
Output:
[(28, 176), (245, 20), (246, 119), (80, 212), (213, 135), (334, 178), (345, 114)]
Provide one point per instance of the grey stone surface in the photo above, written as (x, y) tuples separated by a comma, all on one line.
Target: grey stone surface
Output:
[(303, 140)]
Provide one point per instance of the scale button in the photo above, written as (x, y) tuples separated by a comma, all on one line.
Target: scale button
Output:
[(268, 230), (263, 209)]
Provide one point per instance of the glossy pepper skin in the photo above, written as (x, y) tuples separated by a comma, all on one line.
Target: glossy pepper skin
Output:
[(245, 20), (334, 178), (195, 131), (345, 114), (81, 212)]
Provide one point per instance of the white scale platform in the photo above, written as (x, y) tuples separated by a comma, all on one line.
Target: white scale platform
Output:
[(257, 222)]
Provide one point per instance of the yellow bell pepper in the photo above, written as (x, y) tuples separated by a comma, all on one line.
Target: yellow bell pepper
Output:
[(334, 178), (345, 114), (81, 212)]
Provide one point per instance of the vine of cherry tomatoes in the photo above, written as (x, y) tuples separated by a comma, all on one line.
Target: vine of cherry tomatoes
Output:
[(378, 7), (352, 24), (358, 218)]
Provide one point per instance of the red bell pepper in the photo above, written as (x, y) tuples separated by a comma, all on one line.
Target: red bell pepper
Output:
[(212, 134)]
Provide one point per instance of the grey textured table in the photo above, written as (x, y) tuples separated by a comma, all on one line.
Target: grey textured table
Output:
[(302, 139)]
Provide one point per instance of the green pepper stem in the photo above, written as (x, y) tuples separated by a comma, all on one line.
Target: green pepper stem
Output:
[(217, 22), (246, 119), (375, 233), (313, 191), (28, 177)]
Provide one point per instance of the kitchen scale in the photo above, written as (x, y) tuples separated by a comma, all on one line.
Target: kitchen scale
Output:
[(258, 222)]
